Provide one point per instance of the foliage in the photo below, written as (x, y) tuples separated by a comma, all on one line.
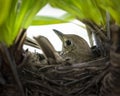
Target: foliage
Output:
[(93, 10), (16, 15), (19, 14), (82, 9), (44, 20), (113, 7)]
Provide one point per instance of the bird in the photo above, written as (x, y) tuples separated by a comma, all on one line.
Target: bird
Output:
[(74, 48), (49, 52)]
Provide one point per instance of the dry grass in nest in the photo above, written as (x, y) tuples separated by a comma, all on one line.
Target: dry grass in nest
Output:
[(61, 79)]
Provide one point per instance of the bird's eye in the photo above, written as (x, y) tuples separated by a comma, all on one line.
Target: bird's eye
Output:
[(68, 42)]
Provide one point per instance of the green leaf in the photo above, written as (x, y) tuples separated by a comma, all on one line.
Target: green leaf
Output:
[(81, 9), (4, 10), (45, 20), (34, 9), (113, 7), (16, 15), (7, 25)]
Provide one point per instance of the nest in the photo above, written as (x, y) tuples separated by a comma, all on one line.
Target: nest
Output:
[(63, 79), (39, 78)]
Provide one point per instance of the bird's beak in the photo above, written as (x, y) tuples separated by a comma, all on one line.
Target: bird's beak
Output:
[(59, 34)]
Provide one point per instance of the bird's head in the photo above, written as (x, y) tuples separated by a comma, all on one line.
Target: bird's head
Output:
[(73, 43)]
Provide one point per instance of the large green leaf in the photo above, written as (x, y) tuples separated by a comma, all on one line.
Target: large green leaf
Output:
[(17, 14), (7, 25), (82, 9), (45, 20), (4, 10), (112, 6)]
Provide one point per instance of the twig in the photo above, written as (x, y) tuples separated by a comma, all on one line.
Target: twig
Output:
[(76, 81), (108, 25), (94, 63), (46, 87), (12, 65), (24, 61), (42, 76)]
